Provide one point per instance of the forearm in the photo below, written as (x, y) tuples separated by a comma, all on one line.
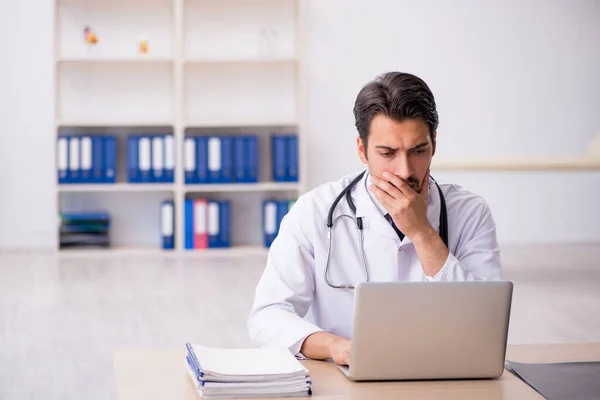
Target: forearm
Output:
[(318, 345), (431, 250)]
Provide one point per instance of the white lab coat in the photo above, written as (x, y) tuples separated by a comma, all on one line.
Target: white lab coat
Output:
[(292, 298)]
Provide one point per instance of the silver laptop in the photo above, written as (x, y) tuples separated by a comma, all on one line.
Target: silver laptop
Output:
[(429, 330)]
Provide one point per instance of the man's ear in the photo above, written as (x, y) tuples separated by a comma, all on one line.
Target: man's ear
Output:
[(434, 143), (361, 150)]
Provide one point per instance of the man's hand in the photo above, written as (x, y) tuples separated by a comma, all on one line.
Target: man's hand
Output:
[(340, 351), (407, 208), (324, 345)]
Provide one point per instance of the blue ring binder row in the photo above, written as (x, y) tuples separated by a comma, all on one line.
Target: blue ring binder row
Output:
[(89, 159), (235, 159), (284, 149), (220, 159), (92, 159), (84, 229), (273, 213), (150, 159)]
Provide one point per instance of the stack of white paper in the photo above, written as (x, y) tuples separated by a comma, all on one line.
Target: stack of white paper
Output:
[(246, 373)]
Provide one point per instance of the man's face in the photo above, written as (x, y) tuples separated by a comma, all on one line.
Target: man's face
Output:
[(402, 148)]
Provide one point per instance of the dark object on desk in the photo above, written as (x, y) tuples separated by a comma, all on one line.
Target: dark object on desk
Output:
[(557, 381)]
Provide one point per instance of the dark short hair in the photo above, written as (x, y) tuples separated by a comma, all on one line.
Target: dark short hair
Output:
[(397, 95)]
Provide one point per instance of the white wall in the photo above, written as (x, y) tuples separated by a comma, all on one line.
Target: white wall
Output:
[(27, 192), (510, 77)]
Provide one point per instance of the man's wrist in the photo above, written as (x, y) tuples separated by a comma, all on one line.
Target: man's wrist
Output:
[(424, 236)]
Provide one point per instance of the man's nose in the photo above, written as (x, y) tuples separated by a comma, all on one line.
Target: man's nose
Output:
[(403, 167)]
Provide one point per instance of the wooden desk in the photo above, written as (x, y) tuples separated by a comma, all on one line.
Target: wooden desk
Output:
[(161, 374)]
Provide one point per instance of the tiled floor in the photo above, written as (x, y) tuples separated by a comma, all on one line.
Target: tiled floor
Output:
[(62, 317)]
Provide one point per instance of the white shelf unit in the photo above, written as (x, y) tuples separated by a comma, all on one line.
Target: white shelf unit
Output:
[(213, 67)]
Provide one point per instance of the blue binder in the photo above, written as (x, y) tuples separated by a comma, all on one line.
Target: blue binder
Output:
[(133, 175), (74, 172), (291, 173), (97, 159), (189, 224), (167, 224), (282, 210), (226, 159), (278, 146), (240, 163), (189, 160), (269, 221), (169, 159), (63, 159), (157, 165), (145, 158), (215, 164), (214, 224), (251, 149), (85, 146), (225, 223), (202, 159), (110, 159)]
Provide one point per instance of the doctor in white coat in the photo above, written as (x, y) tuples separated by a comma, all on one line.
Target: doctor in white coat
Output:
[(398, 205)]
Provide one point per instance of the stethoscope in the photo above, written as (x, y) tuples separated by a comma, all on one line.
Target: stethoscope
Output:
[(443, 231)]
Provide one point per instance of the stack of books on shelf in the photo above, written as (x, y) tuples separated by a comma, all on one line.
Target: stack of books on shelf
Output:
[(84, 229), (246, 373), (207, 223)]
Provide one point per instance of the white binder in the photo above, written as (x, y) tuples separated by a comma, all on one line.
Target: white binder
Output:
[(74, 166), (62, 159), (169, 157), (86, 158), (144, 158), (157, 158)]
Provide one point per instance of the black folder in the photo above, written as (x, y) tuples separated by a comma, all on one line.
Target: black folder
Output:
[(564, 380)]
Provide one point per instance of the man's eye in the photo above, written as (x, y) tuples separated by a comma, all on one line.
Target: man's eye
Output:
[(419, 151), (387, 154)]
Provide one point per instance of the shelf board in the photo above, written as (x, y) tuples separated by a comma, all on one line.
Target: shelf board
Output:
[(110, 124), (533, 164), (241, 123), (242, 187), (116, 187), (100, 59), (239, 60)]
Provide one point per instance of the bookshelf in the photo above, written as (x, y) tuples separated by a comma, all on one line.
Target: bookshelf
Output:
[(213, 67)]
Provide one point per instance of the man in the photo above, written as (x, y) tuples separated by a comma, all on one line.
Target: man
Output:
[(297, 304)]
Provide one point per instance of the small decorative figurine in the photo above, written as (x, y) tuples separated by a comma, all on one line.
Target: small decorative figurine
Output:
[(90, 36), (144, 45)]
